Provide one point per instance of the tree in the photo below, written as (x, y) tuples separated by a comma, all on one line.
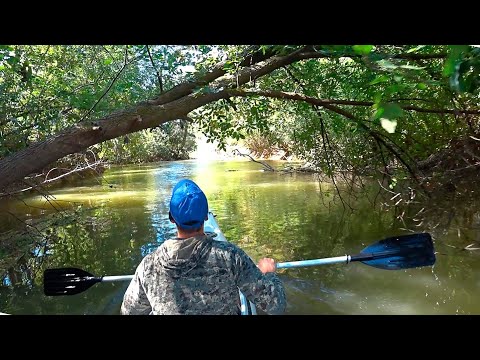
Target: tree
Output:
[(351, 104)]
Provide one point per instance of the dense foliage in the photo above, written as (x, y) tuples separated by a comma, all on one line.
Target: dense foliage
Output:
[(45, 88), (360, 108)]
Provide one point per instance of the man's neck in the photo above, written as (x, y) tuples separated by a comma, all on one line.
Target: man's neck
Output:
[(182, 234)]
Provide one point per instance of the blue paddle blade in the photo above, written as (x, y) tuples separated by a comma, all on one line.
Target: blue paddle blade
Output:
[(399, 252)]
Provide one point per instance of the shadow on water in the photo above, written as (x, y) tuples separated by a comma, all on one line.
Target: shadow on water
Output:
[(285, 216)]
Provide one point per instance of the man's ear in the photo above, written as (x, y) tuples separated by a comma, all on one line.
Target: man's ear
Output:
[(171, 217)]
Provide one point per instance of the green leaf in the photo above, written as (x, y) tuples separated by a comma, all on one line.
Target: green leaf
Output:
[(392, 183), (107, 61), (385, 64), (392, 111), (395, 89), (421, 86), (374, 57), (416, 48), (392, 89), (379, 112), (362, 49), (412, 67), (455, 80), (454, 57), (229, 65), (388, 111), (377, 98), (379, 79)]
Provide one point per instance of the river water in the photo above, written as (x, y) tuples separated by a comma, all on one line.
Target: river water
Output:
[(287, 216)]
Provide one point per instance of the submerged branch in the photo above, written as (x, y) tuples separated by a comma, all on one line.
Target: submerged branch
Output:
[(48, 181), (268, 167)]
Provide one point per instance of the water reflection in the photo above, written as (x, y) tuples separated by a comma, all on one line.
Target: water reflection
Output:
[(286, 216)]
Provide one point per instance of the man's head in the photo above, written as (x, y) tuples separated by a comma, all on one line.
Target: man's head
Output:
[(188, 205)]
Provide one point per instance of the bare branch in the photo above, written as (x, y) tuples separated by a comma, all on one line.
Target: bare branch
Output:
[(325, 139), (159, 77), (125, 64), (75, 170), (268, 167)]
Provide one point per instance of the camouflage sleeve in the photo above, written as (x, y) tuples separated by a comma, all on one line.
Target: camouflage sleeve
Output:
[(135, 301), (266, 291)]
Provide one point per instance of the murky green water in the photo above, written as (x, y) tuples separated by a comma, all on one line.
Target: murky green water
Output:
[(285, 216)]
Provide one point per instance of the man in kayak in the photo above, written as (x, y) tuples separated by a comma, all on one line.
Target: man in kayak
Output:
[(193, 274)]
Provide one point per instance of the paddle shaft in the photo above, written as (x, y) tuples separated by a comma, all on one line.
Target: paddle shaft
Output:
[(116, 278), (294, 264), (338, 259), (304, 263), (282, 265)]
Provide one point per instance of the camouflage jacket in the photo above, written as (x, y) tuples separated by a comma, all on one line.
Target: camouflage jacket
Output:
[(200, 276)]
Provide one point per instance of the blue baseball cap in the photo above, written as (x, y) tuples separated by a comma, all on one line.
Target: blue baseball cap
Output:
[(188, 205)]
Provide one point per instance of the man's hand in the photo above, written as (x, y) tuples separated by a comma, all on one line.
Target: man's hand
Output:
[(266, 265)]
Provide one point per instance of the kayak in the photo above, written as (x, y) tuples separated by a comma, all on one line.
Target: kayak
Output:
[(211, 227)]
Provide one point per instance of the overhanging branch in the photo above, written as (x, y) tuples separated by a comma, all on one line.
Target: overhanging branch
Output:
[(324, 102), (173, 104)]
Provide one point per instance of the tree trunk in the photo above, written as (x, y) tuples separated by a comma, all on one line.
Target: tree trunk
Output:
[(174, 104)]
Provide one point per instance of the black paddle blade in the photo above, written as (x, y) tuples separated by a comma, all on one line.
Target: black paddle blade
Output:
[(67, 281), (399, 252)]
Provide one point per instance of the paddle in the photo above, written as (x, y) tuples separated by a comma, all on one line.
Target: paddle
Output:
[(394, 253), (71, 281), (400, 252)]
